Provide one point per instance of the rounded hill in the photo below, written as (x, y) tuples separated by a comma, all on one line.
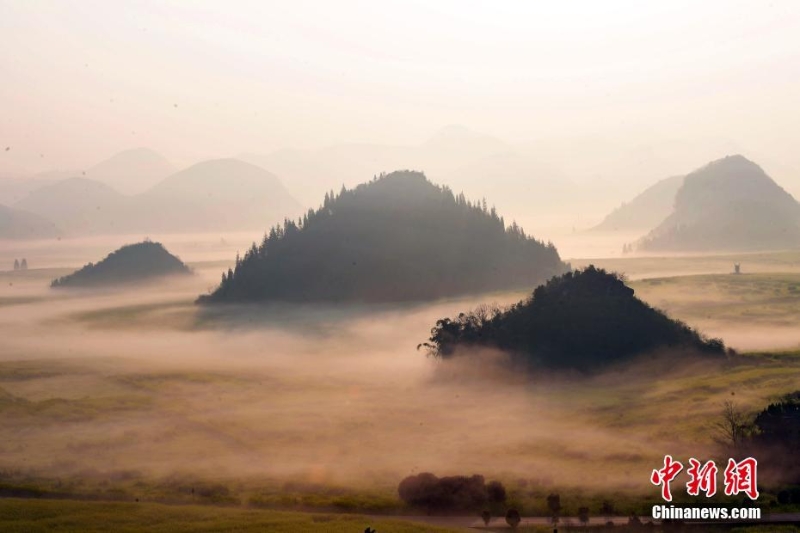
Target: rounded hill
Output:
[(730, 204), (132, 263), (397, 238), (581, 320)]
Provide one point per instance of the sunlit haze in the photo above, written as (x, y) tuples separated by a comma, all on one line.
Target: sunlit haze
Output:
[(678, 83)]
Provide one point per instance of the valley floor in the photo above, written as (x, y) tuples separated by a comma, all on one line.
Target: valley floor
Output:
[(128, 394)]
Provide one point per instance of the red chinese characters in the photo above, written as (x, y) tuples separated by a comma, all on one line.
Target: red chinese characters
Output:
[(741, 477), (665, 475), (701, 478)]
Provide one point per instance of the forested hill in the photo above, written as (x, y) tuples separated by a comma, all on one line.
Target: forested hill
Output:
[(396, 238), (583, 320), (130, 264)]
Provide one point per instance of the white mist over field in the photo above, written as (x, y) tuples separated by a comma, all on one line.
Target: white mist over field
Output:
[(143, 380)]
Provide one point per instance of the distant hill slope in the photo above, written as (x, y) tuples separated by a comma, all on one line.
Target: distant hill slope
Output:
[(18, 224), (398, 237), (132, 171), (14, 189), (217, 195), (309, 173), (582, 320), (220, 194), (131, 263), (79, 206), (646, 210), (730, 204)]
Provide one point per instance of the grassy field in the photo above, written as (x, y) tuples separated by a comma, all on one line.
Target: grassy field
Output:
[(29, 516), (119, 395)]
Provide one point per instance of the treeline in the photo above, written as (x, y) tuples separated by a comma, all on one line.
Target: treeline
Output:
[(583, 320), (772, 435), (397, 237), (450, 493)]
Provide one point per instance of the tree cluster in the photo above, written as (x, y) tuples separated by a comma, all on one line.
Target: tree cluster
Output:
[(450, 493)]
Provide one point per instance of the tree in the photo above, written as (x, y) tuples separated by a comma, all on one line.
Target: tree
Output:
[(583, 515), (607, 509), (513, 518), (486, 516), (733, 426), (16, 264), (24, 264), (496, 492), (554, 505)]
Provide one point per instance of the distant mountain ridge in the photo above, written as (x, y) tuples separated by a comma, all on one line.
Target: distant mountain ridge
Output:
[(18, 224), (131, 171), (647, 209), (398, 237), (218, 195), (729, 204)]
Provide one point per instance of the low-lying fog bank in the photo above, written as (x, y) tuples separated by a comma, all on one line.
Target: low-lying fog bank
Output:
[(97, 384)]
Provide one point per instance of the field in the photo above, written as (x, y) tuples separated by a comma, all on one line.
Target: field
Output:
[(141, 395), (89, 517)]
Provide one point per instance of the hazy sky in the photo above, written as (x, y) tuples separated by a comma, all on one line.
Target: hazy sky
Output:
[(82, 80)]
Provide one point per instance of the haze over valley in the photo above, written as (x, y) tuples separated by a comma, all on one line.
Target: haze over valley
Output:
[(363, 266)]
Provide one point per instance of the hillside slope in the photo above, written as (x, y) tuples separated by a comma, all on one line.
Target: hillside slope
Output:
[(18, 224), (131, 171), (132, 263), (730, 204), (582, 320), (398, 237), (647, 209)]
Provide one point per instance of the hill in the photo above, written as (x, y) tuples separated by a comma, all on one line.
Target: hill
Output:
[(14, 189), (132, 171), (217, 195), (309, 173), (581, 320), (730, 204), (131, 263), (398, 237), (220, 194), (18, 224), (646, 210), (79, 206)]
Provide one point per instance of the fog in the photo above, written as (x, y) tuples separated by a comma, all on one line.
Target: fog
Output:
[(144, 383), (553, 113), (603, 98)]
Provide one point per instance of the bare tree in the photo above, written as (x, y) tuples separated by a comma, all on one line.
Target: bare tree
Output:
[(554, 505), (583, 515), (733, 426)]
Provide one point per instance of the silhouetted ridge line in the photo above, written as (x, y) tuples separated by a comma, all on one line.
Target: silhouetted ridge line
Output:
[(396, 238)]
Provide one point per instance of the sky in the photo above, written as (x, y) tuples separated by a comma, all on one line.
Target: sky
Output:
[(192, 80)]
